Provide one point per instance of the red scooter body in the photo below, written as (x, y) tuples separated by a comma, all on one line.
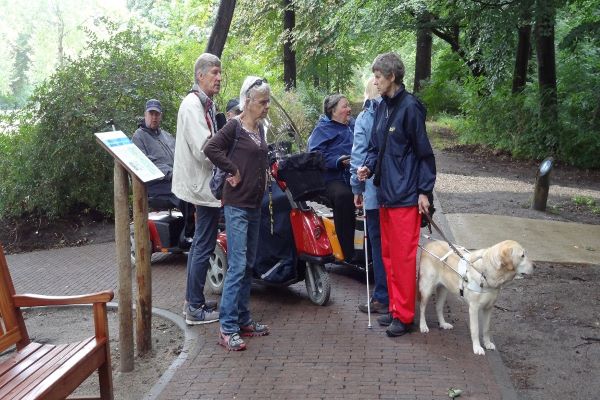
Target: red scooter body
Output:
[(312, 247)]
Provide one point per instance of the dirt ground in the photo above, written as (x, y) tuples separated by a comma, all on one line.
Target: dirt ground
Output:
[(547, 327), (70, 324)]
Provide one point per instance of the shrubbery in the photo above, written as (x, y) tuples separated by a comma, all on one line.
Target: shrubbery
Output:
[(52, 163), (496, 117)]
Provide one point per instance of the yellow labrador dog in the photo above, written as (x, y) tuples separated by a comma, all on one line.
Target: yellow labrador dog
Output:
[(480, 282)]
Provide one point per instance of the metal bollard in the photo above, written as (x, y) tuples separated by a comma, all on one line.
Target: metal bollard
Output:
[(542, 185)]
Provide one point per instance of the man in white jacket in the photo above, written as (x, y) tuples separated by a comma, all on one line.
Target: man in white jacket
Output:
[(196, 123)]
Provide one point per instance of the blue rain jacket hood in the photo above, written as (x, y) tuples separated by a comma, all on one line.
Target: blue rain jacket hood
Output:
[(333, 140)]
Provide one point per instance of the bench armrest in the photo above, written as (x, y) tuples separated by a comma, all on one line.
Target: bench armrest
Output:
[(34, 300)]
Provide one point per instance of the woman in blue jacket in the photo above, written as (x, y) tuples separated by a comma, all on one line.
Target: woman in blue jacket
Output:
[(402, 160), (333, 138)]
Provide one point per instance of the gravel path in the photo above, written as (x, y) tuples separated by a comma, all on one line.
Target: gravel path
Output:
[(486, 185)]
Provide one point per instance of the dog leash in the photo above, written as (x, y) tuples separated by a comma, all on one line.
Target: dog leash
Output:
[(459, 254)]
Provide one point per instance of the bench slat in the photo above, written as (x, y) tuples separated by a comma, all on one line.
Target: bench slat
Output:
[(17, 368), (19, 357), (24, 377), (70, 374)]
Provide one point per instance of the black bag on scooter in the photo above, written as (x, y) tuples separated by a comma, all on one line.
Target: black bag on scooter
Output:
[(303, 175), (276, 260)]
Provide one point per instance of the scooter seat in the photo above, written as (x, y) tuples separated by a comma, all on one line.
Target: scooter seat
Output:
[(160, 204)]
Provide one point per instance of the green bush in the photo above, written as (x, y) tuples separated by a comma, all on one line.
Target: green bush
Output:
[(444, 92), (53, 164)]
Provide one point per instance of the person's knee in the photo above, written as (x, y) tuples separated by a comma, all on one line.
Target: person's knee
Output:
[(342, 198)]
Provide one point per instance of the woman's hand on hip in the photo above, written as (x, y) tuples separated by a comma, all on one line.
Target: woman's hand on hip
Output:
[(234, 180)]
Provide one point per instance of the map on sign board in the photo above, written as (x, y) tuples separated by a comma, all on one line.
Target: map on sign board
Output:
[(129, 155)]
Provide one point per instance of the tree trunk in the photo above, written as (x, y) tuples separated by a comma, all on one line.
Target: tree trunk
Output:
[(218, 36), (522, 59), (60, 27), (544, 43), (452, 38), (289, 55), (423, 54)]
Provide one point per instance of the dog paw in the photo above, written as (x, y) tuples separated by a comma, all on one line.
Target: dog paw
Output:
[(446, 325), (478, 350), (490, 346), (424, 328)]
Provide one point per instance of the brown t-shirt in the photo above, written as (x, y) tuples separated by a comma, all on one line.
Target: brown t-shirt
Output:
[(249, 157)]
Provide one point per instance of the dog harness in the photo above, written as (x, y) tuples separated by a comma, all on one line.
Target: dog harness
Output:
[(463, 269), (471, 284)]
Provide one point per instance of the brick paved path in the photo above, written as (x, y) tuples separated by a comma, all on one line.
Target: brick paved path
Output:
[(313, 352)]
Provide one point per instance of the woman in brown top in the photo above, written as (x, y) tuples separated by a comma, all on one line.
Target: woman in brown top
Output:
[(242, 196)]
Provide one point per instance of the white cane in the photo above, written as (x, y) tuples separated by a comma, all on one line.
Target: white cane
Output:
[(367, 264)]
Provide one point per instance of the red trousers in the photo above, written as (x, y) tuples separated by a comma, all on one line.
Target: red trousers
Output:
[(400, 229)]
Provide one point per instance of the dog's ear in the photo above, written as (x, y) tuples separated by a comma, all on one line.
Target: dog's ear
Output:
[(506, 258)]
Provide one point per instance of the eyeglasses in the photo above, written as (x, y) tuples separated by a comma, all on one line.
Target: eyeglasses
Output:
[(256, 83)]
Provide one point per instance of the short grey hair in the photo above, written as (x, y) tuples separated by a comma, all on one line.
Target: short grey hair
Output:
[(330, 102), (388, 64), (251, 86), (205, 62)]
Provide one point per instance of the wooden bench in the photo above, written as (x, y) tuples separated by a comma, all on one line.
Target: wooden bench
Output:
[(44, 371)]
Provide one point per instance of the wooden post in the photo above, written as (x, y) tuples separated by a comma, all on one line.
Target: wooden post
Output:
[(540, 193), (542, 185), (121, 184), (142, 267)]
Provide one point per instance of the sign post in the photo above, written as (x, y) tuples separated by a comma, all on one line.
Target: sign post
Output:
[(123, 246), (130, 159)]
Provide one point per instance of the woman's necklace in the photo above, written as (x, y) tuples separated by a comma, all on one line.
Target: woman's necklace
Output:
[(253, 135)]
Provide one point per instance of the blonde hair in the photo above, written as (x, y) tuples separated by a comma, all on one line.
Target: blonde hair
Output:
[(370, 89)]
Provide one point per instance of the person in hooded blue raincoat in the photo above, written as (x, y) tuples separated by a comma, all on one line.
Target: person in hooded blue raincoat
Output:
[(333, 137)]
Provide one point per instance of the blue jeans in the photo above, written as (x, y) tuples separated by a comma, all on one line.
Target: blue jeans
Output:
[(373, 232), (203, 245), (242, 227)]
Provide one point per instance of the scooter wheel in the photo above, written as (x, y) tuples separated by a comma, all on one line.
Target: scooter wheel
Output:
[(317, 282), (215, 275)]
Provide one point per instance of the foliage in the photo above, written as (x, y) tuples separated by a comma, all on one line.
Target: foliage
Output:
[(53, 164), (512, 122), (586, 201), (38, 35), (445, 91)]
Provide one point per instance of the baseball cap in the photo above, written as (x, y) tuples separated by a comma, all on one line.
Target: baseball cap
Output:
[(232, 105), (153, 105)]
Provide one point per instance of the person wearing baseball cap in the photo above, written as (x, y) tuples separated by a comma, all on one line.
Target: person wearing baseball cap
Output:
[(159, 146), (232, 109)]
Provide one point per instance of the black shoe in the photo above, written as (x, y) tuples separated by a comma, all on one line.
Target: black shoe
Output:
[(186, 242), (376, 307), (385, 320), (354, 260), (397, 328)]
